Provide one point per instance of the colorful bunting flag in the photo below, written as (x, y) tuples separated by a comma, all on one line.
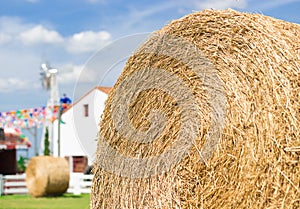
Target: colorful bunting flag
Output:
[(28, 118)]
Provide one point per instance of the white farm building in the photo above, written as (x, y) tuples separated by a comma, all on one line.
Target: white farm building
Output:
[(78, 129)]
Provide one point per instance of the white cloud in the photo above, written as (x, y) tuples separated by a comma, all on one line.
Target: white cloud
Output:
[(88, 41), (14, 29), (220, 4), (5, 38), (69, 74), (15, 84), (39, 34), (12, 25)]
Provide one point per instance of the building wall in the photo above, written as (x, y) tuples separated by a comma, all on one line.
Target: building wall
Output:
[(78, 134)]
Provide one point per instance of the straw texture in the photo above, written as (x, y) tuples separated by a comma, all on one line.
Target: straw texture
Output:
[(46, 175), (253, 117)]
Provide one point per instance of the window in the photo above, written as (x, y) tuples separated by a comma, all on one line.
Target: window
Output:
[(86, 110)]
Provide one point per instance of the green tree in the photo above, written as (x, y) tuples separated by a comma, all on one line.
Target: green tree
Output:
[(21, 164), (46, 143)]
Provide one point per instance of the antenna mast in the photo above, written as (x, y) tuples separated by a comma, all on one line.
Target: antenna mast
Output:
[(49, 82)]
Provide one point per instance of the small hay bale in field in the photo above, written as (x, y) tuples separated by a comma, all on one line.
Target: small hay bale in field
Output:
[(222, 90), (47, 176)]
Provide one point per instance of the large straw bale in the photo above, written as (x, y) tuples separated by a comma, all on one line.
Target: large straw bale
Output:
[(47, 176), (251, 117)]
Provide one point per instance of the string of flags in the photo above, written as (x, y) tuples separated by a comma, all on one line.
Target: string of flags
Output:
[(28, 118)]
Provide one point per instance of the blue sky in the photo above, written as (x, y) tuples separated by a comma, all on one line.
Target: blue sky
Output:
[(67, 33)]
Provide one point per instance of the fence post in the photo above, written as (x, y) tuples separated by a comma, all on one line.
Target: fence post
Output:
[(77, 184), (1, 184)]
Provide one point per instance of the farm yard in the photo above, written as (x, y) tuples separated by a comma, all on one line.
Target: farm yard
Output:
[(66, 201), (15, 195), (201, 113)]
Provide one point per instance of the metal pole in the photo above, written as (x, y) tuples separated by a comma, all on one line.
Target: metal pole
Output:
[(58, 131), (35, 141), (34, 134), (1, 184)]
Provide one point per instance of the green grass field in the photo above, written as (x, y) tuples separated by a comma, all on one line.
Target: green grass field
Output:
[(66, 201)]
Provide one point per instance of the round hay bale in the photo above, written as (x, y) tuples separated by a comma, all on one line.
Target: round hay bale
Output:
[(222, 91), (47, 176)]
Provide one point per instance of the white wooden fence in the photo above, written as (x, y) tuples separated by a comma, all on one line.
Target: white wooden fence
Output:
[(15, 184), (80, 183)]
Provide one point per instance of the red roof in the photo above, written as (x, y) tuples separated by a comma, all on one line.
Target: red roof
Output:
[(14, 141), (104, 89)]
